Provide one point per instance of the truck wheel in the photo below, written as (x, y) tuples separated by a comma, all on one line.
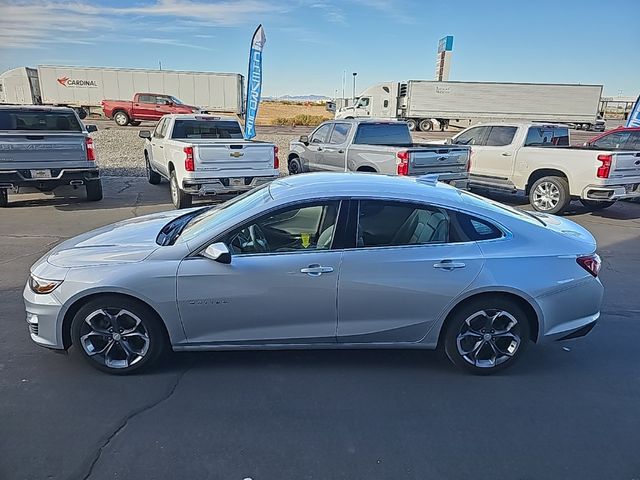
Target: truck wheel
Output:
[(94, 190), (295, 166), (178, 197), (411, 123), (550, 195), (121, 118), (135, 123), (425, 125), (4, 197), (596, 204), (154, 178)]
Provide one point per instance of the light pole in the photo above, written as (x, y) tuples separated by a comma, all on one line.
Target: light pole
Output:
[(355, 74)]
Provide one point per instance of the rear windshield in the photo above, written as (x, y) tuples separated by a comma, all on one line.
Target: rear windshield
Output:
[(39, 120), (545, 136), (206, 129), (383, 134)]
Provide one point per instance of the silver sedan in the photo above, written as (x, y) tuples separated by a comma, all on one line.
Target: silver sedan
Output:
[(321, 261)]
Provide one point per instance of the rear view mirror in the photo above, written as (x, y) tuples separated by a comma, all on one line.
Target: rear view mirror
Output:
[(304, 139), (217, 252), (91, 128), (144, 134)]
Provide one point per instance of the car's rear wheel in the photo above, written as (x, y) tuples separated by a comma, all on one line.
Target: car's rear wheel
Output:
[(550, 195), (4, 197), (153, 177), (178, 197), (94, 190), (295, 167), (121, 118), (117, 334), (596, 204), (487, 335)]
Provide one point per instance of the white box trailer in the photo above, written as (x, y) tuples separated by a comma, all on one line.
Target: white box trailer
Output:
[(425, 104), (86, 87)]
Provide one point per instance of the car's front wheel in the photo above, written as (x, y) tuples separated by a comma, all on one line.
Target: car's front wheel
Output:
[(486, 335), (295, 166), (118, 335)]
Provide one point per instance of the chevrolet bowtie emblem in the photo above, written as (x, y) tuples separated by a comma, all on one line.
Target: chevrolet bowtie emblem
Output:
[(236, 154)]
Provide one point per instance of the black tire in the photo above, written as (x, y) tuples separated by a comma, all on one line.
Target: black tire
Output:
[(468, 330), (4, 197), (295, 166), (178, 197), (153, 177), (596, 204), (121, 118), (94, 190), (425, 125), (550, 195), (135, 123), (146, 347), (412, 124)]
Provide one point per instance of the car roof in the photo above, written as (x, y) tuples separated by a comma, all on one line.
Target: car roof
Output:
[(200, 116), (364, 185), (615, 130), (36, 108)]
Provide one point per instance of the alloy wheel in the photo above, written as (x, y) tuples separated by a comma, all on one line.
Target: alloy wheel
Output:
[(115, 338), (546, 196), (488, 338)]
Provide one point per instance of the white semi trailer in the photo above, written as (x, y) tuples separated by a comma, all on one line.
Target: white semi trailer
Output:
[(85, 87), (425, 105)]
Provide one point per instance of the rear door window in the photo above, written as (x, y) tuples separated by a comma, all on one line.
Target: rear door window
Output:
[(146, 99), (501, 136), (39, 120), (473, 136)]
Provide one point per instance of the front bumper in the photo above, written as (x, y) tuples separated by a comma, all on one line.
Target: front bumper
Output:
[(222, 186), (43, 313), (59, 177), (611, 192)]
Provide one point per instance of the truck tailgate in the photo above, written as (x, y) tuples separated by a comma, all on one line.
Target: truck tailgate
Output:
[(625, 164), (43, 150), (436, 159), (234, 156)]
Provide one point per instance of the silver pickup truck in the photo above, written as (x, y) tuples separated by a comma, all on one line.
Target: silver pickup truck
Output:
[(43, 148), (376, 146)]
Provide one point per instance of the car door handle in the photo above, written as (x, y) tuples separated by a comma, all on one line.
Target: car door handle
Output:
[(506, 154), (448, 265), (316, 270)]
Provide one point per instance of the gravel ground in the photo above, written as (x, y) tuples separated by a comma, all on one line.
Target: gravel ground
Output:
[(119, 151)]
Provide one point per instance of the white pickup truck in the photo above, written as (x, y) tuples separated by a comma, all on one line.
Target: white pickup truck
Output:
[(206, 155), (536, 159)]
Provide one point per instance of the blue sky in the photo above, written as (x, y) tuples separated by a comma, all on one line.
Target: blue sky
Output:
[(311, 42)]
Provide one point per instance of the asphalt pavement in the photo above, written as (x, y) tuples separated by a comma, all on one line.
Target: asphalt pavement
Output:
[(568, 410)]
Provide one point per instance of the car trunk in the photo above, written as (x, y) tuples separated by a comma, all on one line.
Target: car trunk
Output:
[(625, 165), (36, 150), (435, 159), (233, 156)]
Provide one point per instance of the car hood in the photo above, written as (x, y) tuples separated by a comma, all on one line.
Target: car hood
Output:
[(128, 241)]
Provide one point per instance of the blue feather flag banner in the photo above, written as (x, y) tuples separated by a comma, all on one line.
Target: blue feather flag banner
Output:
[(254, 82), (634, 116)]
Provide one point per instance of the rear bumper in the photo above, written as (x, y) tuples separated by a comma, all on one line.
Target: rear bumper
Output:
[(611, 192), (59, 177), (221, 186)]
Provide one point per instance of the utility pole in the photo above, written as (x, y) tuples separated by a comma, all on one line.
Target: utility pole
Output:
[(355, 74), (160, 64), (344, 80)]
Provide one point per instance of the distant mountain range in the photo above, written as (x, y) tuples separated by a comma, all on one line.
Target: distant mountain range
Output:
[(299, 98)]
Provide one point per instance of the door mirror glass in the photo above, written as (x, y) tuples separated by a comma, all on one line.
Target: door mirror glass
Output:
[(144, 134), (304, 139), (218, 252), (91, 128)]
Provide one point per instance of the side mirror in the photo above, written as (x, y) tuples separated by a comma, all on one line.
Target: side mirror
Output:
[(91, 128), (144, 134), (217, 252), (304, 139)]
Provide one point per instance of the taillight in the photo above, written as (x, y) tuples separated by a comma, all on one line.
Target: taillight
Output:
[(403, 162), (91, 150), (591, 263), (276, 160), (605, 168), (189, 166)]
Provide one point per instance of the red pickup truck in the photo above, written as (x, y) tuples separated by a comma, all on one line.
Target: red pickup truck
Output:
[(145, 106)]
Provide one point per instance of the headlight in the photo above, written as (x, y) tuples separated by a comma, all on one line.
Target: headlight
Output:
[(42, 286)]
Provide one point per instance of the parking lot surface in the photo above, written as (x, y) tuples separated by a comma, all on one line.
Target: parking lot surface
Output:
[(567, 410)]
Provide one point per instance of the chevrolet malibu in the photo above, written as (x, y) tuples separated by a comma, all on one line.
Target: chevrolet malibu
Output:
[(329, 260)]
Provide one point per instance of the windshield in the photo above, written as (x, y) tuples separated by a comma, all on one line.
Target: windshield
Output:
[(383, 134), (204, 128), (63, 120)]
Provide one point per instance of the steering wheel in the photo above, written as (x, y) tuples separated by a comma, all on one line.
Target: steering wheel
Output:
[(258, 239)]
